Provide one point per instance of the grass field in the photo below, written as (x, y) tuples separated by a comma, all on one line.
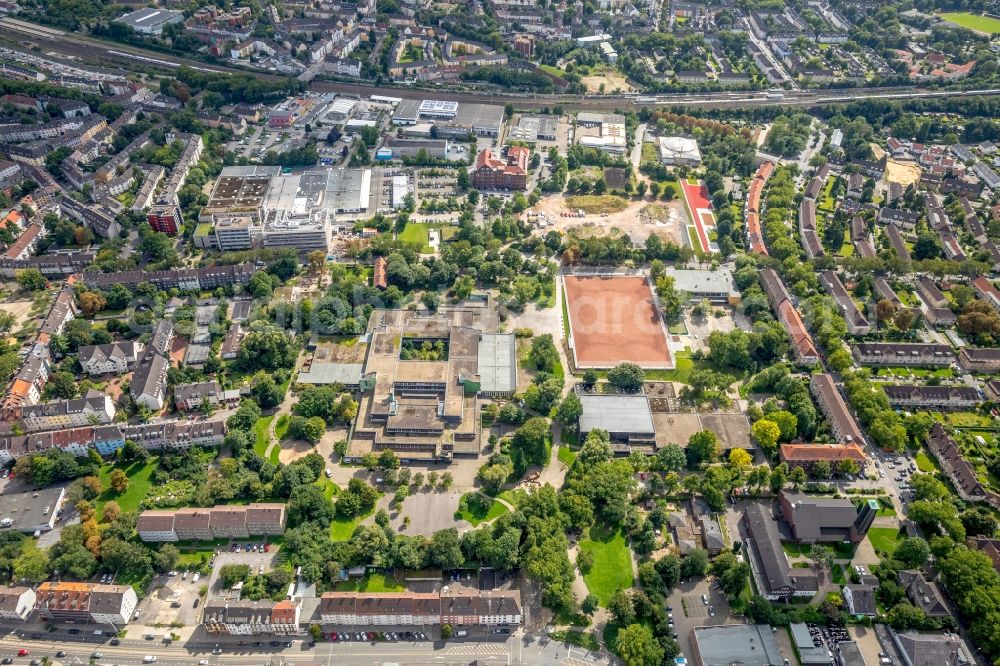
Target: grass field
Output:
[(260, 430), (341, 529), (553, 70), (596, 204), (975, 22), (584, 639), (884, 539), (419, 233), (371, 583), (138, 486), (612, 570), (281, 427), (566, 456), (925, 463), (495, 510)]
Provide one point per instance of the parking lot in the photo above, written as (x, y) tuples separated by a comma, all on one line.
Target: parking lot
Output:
[(689, 609), (175, 599), (258, 561)]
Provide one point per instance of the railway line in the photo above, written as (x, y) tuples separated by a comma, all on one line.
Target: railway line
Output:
[(108, 54)]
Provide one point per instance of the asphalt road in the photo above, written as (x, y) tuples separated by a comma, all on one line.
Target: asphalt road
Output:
[(527, 650)]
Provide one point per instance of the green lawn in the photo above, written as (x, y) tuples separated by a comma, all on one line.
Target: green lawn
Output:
[(925, 463), (138, 486), (566, 456), (972, 21), (514, 497), (584, 639), (281, 427), (371, 583), (552, 69), (415, 232), (612, 570), (884, 539), (683, 366), (496, 509), (341, 529), (329, 487), (793, 549), (260, 444)]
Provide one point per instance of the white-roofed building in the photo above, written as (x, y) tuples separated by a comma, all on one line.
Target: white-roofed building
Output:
[(150, 20), (678, 150)]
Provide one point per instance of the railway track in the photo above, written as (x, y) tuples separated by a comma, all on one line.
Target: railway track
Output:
[(89, 49)]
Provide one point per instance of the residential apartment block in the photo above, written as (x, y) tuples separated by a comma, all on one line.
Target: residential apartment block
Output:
[(456, 607), (903, 354), (257, 519), (85, 602), (114, 358), (832, 404)]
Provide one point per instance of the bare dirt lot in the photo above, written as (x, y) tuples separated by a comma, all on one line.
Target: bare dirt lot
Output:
[(612, 80), (904, 173), (20, 310), (640, 219)]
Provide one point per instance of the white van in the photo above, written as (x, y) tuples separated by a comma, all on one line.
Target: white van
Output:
[(149, 659)]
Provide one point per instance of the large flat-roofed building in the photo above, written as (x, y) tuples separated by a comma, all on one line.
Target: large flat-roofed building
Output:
[(452, 119), (30, 512), (534, 128), (606, 132), (497, 365), (239, 190), (718, 286), (283, 228), (744, 644), (236, 232), (626, 418), (150, 20), (422, 379)]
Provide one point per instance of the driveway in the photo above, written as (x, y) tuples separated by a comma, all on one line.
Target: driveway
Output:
[(689, 611)]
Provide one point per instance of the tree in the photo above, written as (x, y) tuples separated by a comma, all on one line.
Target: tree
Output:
[(119, 481), (445, 549), (797, 476), (694, 563), (821, 469), (596, 448), (570, 409), (847, 466), (703, 447), (912, 551), (627, 377), (590, 378), (778, 478), (636, 646), (621, 608), (31, 565), (231, 574), (671, 458), (388, 460), (589, 604), (530, 439), (740, 459), (31, 279), (266, 392), (445, 631), (766, 433)]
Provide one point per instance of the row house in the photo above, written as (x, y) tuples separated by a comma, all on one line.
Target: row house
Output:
[(50, 265), (959, 471), (219, 522), (457, 608), (807, 455), (780, 300), (857, 323), (979, 359), (96, 218), (906, 219), (885, 292), (63, 311), (177, 434), (113, 358), (831, 403), (940, 317), (987, 292), (186, 279), (29, 382), (148, 385), (933, 397), (85, 602), (25, 245), (807, 229), (144, 198), (122, 159), (94, 409), (930, 292), (903, 354), (252, 618), (897, 242)]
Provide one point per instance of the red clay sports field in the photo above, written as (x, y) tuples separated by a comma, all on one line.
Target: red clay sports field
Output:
[(614, 319), (699, 210)]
